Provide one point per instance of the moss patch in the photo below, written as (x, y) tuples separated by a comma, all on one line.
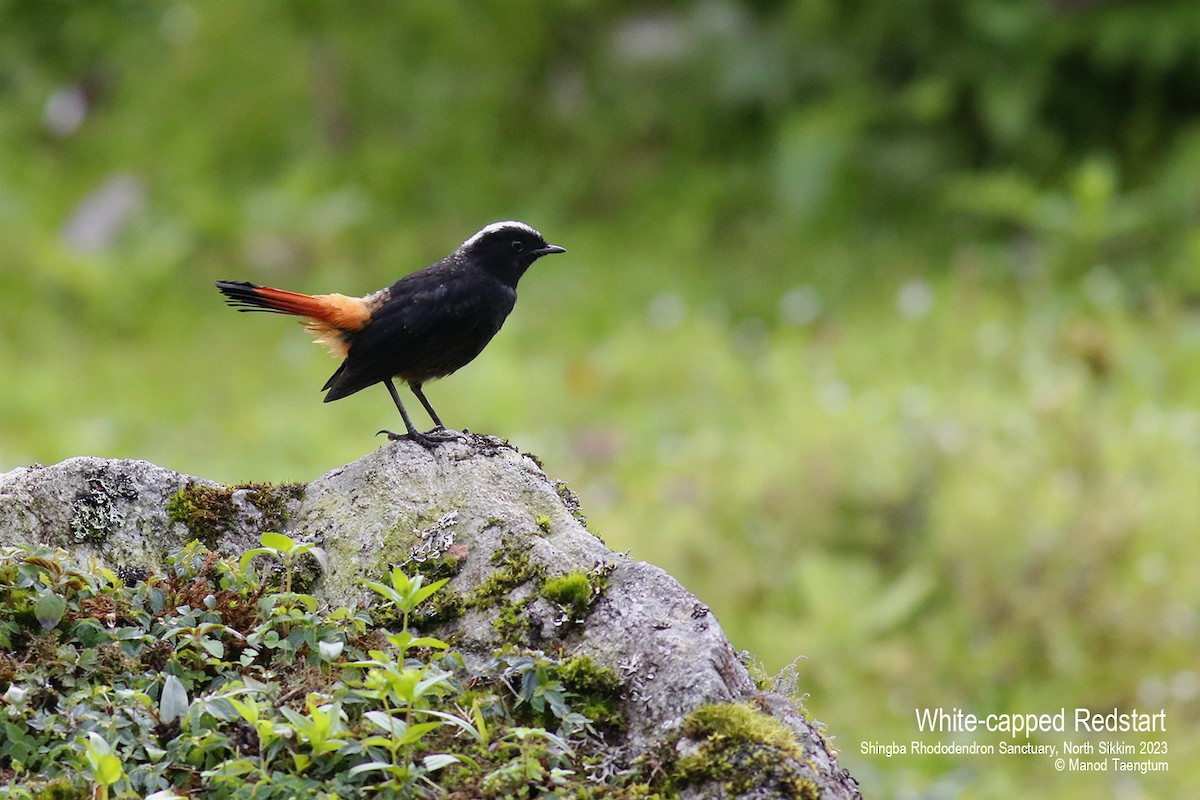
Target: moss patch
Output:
[(596, 691), (513, 569), (511, 623), (209, 511), (570, 589), (445, 566), (741, 749), (573, 592)]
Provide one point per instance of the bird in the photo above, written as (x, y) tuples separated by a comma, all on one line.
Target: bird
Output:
[(426, 325)]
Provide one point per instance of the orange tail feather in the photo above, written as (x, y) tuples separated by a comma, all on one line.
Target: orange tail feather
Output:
[(335, 311)]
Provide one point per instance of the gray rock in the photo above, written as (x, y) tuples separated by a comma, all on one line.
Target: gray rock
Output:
[(115, 510), (487, 514), (128, 513)]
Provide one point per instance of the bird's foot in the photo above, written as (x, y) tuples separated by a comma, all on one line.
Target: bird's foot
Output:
[(428, 440)]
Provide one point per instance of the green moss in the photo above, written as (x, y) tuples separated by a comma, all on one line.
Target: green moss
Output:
[(201, 509), (443, 607), (61, 789), (209, 511), (596, 692), (445, 566), (739, 722), (511, 623), (742, 748), (573, 591), (513, 569)]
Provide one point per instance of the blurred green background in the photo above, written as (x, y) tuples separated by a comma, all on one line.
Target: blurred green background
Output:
[(879, 329)]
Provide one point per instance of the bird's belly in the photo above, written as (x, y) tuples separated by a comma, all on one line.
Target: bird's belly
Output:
[(451, 353)]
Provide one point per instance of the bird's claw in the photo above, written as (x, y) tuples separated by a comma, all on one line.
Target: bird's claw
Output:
[(428, 440)]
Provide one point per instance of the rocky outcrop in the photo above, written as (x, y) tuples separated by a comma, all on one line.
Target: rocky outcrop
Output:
[(524, 573)]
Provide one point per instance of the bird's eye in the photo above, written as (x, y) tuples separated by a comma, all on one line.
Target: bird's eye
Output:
[(518, 246)]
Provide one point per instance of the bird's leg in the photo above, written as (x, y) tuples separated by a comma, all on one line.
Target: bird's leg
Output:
[(426, 440), (416, 389), (413, 434), (439, 432)]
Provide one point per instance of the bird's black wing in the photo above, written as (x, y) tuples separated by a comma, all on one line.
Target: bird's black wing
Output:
[(431, 323)]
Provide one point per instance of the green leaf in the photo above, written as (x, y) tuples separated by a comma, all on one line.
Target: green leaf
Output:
[(321, 556), (49, 610), (330, 650), (371, 766), (387, 592), (249, 556), (404, 640), (173, 702), (247, 709), (90, 632), (439, 761), (429, 641), (417, 731), (424, 592), (480, 728), (428, 683), (402, 582), (106, 768), (475, 733), (278, 542), (386, 722), (298, 720), (401, 641)]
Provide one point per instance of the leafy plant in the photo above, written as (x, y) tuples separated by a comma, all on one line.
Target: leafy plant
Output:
[(286, 550), (103, 767), (205, 693)]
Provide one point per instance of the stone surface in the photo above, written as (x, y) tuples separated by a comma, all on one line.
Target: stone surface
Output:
[(113, 509), (477, 509)]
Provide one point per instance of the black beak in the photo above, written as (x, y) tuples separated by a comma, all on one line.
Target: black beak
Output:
[(549, 249)]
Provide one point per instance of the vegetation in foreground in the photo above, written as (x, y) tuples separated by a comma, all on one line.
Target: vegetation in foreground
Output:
[(217, 680)]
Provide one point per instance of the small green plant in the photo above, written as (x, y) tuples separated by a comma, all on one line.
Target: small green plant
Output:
[(407, 692), (323, 729), (406, 594), (539, 761), (103, 768), (286, 550), (213, 686)]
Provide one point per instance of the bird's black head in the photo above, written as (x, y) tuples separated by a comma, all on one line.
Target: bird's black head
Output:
[(506, 250)]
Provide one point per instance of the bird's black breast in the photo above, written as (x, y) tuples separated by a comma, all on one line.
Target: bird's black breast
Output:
[(427, 325)]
